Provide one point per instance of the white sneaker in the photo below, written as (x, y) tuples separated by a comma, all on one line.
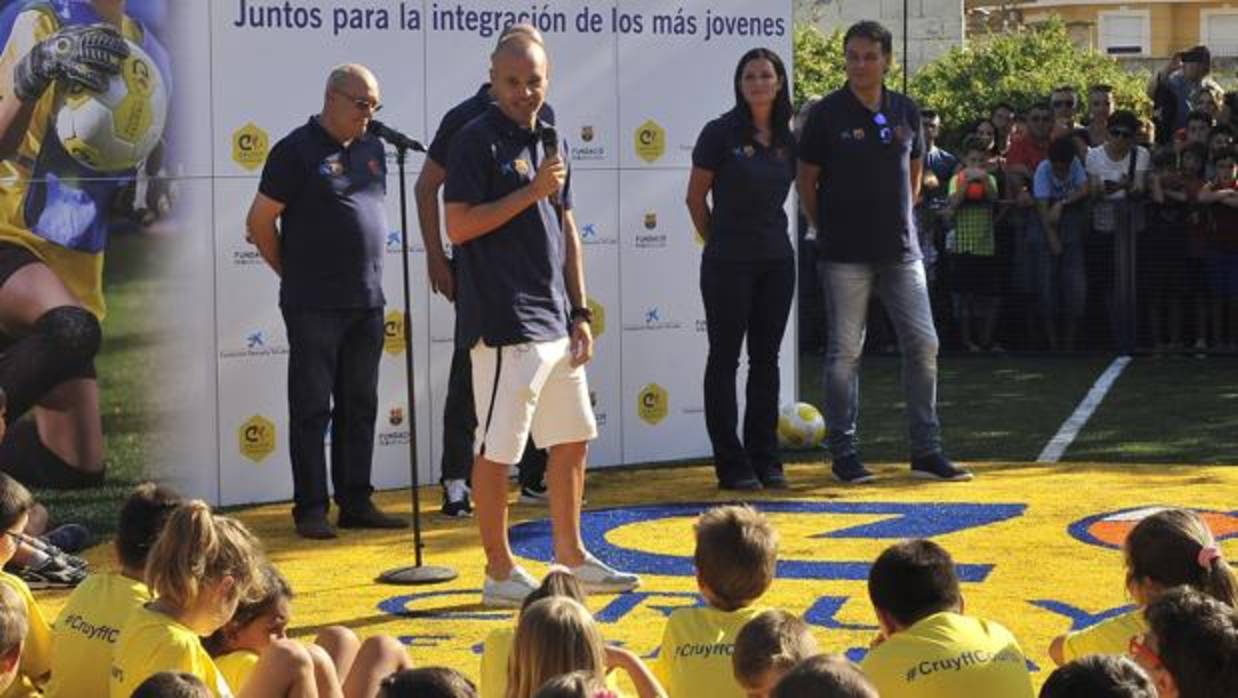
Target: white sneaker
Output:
[(510, 592), (596, 576)]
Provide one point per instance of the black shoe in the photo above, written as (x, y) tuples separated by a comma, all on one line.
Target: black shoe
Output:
[(773, 478), (368, 516), (747, 484), (535, 493), (850, 470), (315, 528), (456, 502), (936, 466)]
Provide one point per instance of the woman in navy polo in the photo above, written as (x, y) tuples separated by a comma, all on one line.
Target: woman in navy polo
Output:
[(745, 162)]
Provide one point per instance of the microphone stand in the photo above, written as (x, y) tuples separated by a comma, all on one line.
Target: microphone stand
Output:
[(416, 573)]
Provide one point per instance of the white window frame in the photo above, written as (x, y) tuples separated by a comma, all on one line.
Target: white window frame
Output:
[(1145, 48), (1205, 15)]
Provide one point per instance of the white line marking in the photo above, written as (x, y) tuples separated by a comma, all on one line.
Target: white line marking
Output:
[(1070, 429)]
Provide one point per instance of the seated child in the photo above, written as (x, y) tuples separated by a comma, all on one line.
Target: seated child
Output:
[(1098, 676), (35, 664), (12, 634), (1191, 647), (825, 676), (767, 647), (497, 648), (736, 553), (927, 647), (169, 684), (427, 682)]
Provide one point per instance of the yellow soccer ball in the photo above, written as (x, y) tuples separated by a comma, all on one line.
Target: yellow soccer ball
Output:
[(800, 425), (114, 130)]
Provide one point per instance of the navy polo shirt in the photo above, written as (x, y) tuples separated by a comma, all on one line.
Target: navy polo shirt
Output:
[(464, 112), (864, 191), (751, 181), (334, 223), (509, 287)]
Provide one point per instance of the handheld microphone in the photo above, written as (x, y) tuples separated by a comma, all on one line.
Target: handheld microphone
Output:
[(380, 130), (550, 148)]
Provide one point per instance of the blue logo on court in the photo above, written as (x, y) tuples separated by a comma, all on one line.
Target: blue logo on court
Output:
[(906, 520), (1109, 529)]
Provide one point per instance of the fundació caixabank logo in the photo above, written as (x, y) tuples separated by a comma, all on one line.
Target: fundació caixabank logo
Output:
[(650, 141), (250, 145), (653, 403), (256, 438), (393, 333)]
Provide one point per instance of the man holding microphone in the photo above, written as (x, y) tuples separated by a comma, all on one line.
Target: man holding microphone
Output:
[(520, 298)]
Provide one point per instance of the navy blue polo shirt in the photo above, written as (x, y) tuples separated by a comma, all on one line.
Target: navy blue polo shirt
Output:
[(509, 287), (751, 181), (864, 192), (334, 223), (464, 112)]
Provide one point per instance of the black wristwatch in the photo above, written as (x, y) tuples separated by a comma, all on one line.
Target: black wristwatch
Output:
[(581, 314)]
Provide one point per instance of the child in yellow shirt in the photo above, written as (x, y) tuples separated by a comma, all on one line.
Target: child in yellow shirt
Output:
[(1165, 549), (736, 553), (927, 648), (85, 632), (12, 634), (169, 684), (497, 647), (257, 625), (427, 682), (826, 676), (767, 647), (1099, 676), (35, 664)]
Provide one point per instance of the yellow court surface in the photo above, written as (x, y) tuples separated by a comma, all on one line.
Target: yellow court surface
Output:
[(1037, 548)]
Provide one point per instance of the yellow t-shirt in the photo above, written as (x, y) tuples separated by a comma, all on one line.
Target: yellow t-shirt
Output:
[(237, 666), (81, 272), (36, 654), (695, 655), (86, 631), (948, 655), (1112, 636), (151, 642), (495, 652)]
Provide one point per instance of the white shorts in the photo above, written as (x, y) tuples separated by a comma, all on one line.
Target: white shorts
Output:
[(528, 388)]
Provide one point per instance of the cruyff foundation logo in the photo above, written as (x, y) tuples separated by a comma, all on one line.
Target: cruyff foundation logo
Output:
[(650, 140), (256, 437), (598, 325), (393, 333), (964, 660), (250, 145), (1109, 529), (653, 403)]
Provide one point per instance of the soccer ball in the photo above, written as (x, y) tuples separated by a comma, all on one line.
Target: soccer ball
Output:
[(800, 425), (116, 129)]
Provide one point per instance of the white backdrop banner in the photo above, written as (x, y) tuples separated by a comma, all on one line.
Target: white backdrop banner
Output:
[(632, 83)]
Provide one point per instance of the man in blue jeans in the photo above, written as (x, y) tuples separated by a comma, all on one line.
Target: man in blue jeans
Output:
[(860, 162)]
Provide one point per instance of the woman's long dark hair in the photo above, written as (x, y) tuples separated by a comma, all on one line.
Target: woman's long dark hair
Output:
[(780, 119)]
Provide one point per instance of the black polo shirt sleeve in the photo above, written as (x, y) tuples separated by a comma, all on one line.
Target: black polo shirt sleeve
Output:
[(283, 175), (710, 150), (813, 144), (468, 169)]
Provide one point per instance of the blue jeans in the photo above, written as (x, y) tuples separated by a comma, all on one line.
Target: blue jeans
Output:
[(1059, 281), (904, 292)]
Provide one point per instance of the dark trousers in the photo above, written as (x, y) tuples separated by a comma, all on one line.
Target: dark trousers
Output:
[(460, 428), (332, 378), (744, 299)]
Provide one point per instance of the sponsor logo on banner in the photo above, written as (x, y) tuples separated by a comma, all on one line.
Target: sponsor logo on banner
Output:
[(397, 430), (247, 256), (599, 416), (702, 326), (394, 244), (598, 326), (650, 141), (255, 343), (256, 438), (588, 152), (393, 332), (654, 318), (250, 145), (1109, 529), (651, 239), (652, 403), (595, 234)]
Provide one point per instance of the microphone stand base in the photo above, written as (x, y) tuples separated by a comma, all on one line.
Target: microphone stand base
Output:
[(417, 574)]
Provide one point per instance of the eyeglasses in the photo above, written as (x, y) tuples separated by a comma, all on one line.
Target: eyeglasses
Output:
[(1139, 649), (361, 103), (1120, 133), (883, 127)]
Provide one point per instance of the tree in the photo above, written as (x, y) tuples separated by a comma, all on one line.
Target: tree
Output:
[(1019, 67)]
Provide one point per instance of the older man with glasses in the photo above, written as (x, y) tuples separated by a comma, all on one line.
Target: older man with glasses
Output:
[(325, 183)]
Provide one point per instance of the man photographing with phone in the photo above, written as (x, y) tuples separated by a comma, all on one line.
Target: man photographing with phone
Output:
[(520, 299)]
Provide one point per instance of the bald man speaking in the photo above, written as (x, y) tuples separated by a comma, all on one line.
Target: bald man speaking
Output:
[(520, 299), (324, 183)]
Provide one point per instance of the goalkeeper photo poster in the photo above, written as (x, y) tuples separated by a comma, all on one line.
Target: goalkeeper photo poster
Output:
[(132, 185)]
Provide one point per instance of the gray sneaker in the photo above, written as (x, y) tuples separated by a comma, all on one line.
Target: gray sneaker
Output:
[(54, 573), (598, 577), (510, 592)]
